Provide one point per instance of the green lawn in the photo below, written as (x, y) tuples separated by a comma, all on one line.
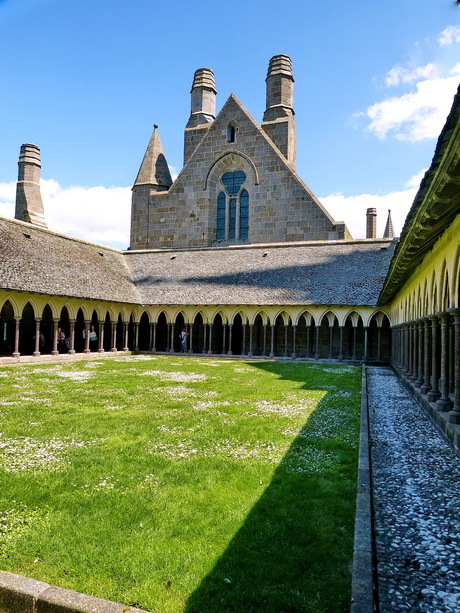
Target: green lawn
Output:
[(182, 485)]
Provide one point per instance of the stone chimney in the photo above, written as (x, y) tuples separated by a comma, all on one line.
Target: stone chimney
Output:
[(278, 121), (29, 205), (371, 223), (202, 111)]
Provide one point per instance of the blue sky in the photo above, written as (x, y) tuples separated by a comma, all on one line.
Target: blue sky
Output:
[(86, 81)]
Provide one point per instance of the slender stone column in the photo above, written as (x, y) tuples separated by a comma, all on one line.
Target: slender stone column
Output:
[(294, 332), (413, 367), (379, 343), (308, 352), (402, 349), (16, 353), (366, 344), (434, 393), (451, 352), (454, 414), (136, 335), (285, 340), (37, 337), (190, 330), (114, 336), (426, 387), (230, 328), (224, 331), (405, 349), (331, 332), (72, 336), (250, 354), (54, 350), (419, 331), (444, 403), (171, 337), (395, 346), (154, 337), (87, 324), (409, 351), (264, 351), (341, 343), (210, 339), (205, 328), (125, 331), (101, 337), (243, 349), (355, 331), (317, 328), (272, 346)]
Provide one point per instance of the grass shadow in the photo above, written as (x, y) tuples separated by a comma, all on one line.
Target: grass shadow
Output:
[(294, 551)]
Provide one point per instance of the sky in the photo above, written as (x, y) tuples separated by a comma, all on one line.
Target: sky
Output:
[(85, 80)]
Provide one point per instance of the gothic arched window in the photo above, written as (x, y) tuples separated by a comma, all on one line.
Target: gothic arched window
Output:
[(231, 132), (233, 207)]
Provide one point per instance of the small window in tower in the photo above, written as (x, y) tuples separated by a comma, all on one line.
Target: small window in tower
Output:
[(231, 133)]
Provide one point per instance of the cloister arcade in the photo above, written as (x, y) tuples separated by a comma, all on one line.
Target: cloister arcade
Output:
[(29, 326), (426, 332)]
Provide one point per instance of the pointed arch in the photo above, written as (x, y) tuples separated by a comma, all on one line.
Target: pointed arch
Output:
[(228, 160), (262, 314), (445, 297), (7, 328), (353, 336)]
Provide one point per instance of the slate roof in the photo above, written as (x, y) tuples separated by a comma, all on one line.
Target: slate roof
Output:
[(436, 205), (336, 273), (34, 259), (38, 260)]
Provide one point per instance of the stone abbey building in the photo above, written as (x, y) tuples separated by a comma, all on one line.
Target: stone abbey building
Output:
[(240, 252)]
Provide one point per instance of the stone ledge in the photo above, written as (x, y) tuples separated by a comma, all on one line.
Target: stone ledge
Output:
[(449, 431), (22, 595), (61, 357), (363, 583)]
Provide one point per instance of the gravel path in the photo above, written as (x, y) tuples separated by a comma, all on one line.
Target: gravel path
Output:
[(416, 483)]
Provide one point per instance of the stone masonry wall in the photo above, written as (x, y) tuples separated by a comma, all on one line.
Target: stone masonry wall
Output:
[(281, 207)]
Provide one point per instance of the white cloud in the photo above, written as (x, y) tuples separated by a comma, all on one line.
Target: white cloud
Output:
[(400, 74), (414, 116), (7, 199), (449, 36), (415, 180), (421, 111), (352, 210), (96, 214)]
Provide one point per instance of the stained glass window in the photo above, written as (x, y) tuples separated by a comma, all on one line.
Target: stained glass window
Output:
[(233, 207), (244, 214), (221, 202), (233, 181)]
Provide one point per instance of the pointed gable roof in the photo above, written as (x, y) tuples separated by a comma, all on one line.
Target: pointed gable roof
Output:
[(154, 168), (261, 146), (389, 230)]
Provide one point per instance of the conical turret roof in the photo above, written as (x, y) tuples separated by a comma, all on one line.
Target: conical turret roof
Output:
[(154, 168), (389, 231)]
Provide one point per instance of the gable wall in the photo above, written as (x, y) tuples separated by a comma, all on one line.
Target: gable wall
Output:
[(281, 208)]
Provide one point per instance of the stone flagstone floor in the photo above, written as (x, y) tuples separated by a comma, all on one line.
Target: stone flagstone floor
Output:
[(416, 484)]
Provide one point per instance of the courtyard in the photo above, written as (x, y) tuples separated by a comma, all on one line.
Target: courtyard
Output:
[(180, 485)]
